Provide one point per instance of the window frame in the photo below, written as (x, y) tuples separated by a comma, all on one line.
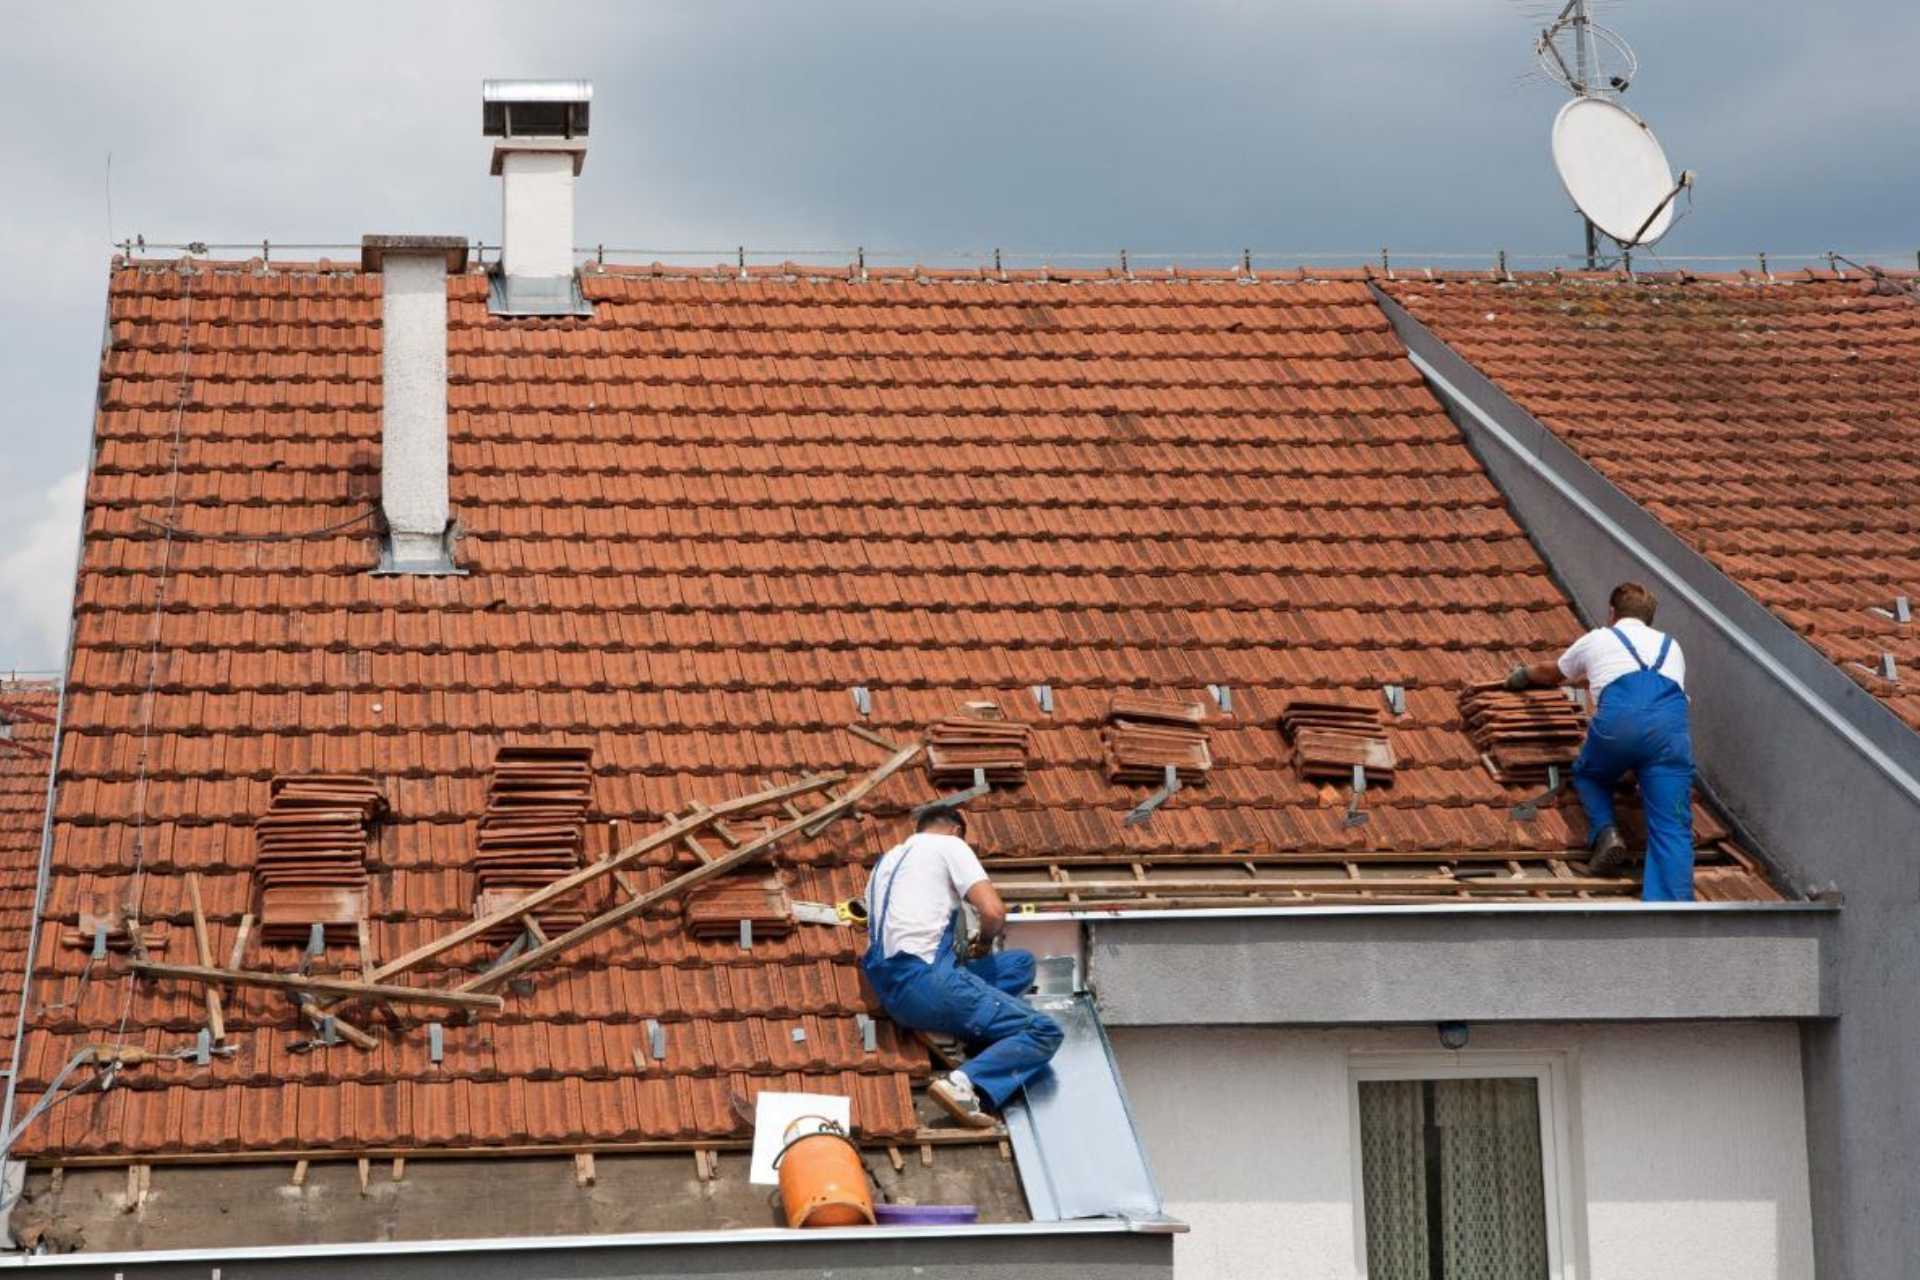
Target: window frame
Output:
[(1552, 1084)]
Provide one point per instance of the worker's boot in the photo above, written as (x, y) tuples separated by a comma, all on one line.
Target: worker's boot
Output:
[(1609, 853), (956, 1097)]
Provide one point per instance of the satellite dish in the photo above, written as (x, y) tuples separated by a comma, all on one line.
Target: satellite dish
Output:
[(1615, 171)]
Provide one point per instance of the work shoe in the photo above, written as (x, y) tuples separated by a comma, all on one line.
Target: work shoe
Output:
[(960, 1102), (1609, 853)]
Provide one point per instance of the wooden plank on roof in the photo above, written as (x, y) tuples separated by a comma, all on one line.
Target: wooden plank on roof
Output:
[(666, 835), (317, 985), (678, 886)]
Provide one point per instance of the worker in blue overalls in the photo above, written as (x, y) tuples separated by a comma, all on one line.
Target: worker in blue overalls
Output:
[(1637, 677), (924, 982)]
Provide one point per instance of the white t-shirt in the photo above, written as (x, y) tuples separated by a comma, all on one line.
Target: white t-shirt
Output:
[(1599, 657), (934, 873)]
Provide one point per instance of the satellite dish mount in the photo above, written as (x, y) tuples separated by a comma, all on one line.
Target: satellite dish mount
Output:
[(1609, 160)]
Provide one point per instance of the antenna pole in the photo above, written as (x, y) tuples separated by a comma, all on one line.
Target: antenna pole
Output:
[(1582, 45), (1593, 245)]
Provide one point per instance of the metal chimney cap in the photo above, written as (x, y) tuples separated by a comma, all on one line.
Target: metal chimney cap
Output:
[(535, 108)]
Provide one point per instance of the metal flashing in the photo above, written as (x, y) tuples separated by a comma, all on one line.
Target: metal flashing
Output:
[(1463, 910), (442, 566), (510, 295), (1075, 1143), (930, 1251)]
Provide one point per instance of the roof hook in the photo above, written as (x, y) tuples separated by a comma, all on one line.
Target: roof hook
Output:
[(1356, 816), (1144, 810), (979, 788), (1529, 809)]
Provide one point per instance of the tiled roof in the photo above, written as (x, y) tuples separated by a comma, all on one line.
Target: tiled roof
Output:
[(692, 525), (27, 713), (1771, 425)]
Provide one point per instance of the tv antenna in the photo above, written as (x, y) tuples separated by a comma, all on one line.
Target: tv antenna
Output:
[(1610, 163)]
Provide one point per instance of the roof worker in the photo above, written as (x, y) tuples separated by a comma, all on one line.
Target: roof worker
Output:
[(924, 983), (1637, 677)]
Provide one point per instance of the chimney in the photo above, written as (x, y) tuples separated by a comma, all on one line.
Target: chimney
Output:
[(413, 396), (541, 127)]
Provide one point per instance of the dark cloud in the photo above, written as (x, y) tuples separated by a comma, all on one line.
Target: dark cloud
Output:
[(935, 130)]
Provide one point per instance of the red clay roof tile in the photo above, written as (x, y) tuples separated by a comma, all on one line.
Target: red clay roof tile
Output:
[(1768, 424), (692, 524)]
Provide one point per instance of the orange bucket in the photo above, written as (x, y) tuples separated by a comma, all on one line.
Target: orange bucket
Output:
[(823, 1182)]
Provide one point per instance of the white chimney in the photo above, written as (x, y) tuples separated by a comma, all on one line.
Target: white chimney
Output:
[(413, 395), (541, 127)]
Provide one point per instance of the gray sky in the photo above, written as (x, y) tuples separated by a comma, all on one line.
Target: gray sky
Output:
[(941, 130)]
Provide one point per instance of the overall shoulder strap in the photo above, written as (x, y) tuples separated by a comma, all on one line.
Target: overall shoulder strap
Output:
[(1632, 652), (1666, 643)]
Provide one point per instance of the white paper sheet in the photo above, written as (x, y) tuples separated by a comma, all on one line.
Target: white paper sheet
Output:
[(775, 1113)]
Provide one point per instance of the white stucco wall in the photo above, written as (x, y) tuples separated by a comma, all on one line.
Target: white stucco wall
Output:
[(413, 402), (1688, 1145)]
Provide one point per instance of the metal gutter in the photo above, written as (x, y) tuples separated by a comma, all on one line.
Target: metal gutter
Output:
[(1461, 910), (392, 1256)]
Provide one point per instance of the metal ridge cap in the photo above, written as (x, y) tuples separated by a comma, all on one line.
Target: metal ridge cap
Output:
[(629, 1240), (1463, 909)]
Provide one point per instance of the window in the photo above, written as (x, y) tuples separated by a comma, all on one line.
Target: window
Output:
[(1458, 1168)]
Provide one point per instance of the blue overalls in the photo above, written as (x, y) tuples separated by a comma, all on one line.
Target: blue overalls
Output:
[(1641, 724), (977, 1003)]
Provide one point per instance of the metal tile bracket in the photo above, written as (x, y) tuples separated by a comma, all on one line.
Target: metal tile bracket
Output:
[(746, 935), (1529, 809), (1356, 816), (203, 1048), (316, 946), (1396, 698), (99, 943), (1144, 810), (1043, 696), (863, 699), (1889, 670), (869, 1033), (514, 948), (1222, 696), (1901, 612), (329, 1033), (436, 1042), (799, 1035), (656, 1040), (979, 788)]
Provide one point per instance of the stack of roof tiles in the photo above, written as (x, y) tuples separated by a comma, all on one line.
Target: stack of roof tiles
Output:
[(310, 855), (28, 709), (1522, 734), (533, 833), (959, 744), (1331, 739), (1768, 422), (1145, 735), (716, 910), (690, 524)]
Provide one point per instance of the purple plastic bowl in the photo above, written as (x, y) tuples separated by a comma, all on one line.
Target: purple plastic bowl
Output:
[(925, 1215)]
